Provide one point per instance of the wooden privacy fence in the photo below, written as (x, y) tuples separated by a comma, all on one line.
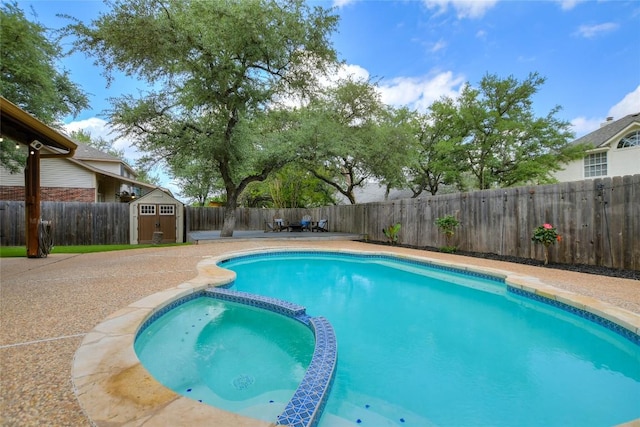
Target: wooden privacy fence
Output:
[(72, 223), (599, 221)]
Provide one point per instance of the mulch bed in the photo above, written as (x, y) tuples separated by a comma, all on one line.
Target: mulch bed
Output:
[(581, 268)]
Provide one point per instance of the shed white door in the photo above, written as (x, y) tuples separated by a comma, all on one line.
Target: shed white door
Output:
[(156, 217)]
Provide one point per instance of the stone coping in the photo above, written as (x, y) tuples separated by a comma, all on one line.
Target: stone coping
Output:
[(113, 388)]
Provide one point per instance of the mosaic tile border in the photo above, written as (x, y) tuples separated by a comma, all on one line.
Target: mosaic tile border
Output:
[(612, 326), (165, 309), (421, 263), (305, 407), (279, 306)]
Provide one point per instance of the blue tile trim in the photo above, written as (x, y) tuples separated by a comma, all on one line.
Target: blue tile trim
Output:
[(427, 264), (164, 310), (273, 304), (306, 406), (612, 326)]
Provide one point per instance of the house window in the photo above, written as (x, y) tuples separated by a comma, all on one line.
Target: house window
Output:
[(167, 209), (595, 165), (630, 140), (147, 209)]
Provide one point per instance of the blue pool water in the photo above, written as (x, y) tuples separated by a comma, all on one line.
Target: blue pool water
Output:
[(415, 349), (228, 355), (417, 346)]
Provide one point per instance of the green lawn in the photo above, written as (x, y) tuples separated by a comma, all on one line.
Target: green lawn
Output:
[(21, 251)]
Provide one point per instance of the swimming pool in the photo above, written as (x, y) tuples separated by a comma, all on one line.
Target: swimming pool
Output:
[(241, 358), (415, 350)]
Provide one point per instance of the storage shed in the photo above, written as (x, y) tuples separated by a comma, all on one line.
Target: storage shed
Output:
[(156, 217)]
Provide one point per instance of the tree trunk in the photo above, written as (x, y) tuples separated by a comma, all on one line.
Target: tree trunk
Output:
[(229, 222), (546, 254), (229, 215)]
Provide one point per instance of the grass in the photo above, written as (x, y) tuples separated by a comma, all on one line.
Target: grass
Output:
[(21, 251)]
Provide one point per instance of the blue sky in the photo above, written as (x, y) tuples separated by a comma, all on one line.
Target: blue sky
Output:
[(420, 50)]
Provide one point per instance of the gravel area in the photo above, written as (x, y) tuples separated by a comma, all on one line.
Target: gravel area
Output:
[(48, 305)]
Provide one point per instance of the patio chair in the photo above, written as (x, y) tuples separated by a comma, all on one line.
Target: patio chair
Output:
[(268, 226), (306, 223), (323, 225), (279, 224)]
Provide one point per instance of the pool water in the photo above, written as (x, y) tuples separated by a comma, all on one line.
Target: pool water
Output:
[(244, 359), (420, 346)]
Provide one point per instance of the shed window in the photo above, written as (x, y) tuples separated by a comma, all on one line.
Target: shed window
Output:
[(595, 165), (147, 209), (167, 209), (630, 140)]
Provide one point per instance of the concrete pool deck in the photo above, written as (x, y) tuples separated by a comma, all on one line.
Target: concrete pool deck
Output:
[(49, 305)]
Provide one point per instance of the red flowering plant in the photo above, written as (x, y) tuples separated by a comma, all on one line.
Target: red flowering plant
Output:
[(547, 235)]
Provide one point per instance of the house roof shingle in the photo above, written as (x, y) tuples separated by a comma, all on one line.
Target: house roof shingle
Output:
[(604, 134), (87, 152)]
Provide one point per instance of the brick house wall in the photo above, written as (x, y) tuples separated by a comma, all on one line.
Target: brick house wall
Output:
[(51, 194)]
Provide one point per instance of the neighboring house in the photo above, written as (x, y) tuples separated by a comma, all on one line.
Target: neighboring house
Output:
[(615, 152), (90, 175), (371, 192)]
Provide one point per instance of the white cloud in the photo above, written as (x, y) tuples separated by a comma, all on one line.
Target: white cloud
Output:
[(481, 34), (342, 3), (630, 104), (99, 128), (464, 8), (591, 31), (439, 45), (414, 92), (420, 92), (568, 4), (347, 70), (582, 125)]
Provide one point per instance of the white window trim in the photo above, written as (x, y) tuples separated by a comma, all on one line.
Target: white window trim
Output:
[(594, 166), (145, 211)]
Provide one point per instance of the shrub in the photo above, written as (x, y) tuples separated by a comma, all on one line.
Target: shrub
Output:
[(447, 225), (547, 235), (392, 233)]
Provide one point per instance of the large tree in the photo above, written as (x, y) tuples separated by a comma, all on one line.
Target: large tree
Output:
[(350, 137), (213, 67), (31, 78), (436, 158), (504, 143), (195, 176), (291, 187)]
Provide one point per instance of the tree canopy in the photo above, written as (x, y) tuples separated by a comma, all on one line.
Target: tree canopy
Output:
[(31, 78), (213, 67), (348, 136), (502, 141), (491, 134)]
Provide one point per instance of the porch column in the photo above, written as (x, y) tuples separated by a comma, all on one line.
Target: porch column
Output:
[(32, 201)]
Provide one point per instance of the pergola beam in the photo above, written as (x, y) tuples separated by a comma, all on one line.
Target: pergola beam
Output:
[(21, 127)]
